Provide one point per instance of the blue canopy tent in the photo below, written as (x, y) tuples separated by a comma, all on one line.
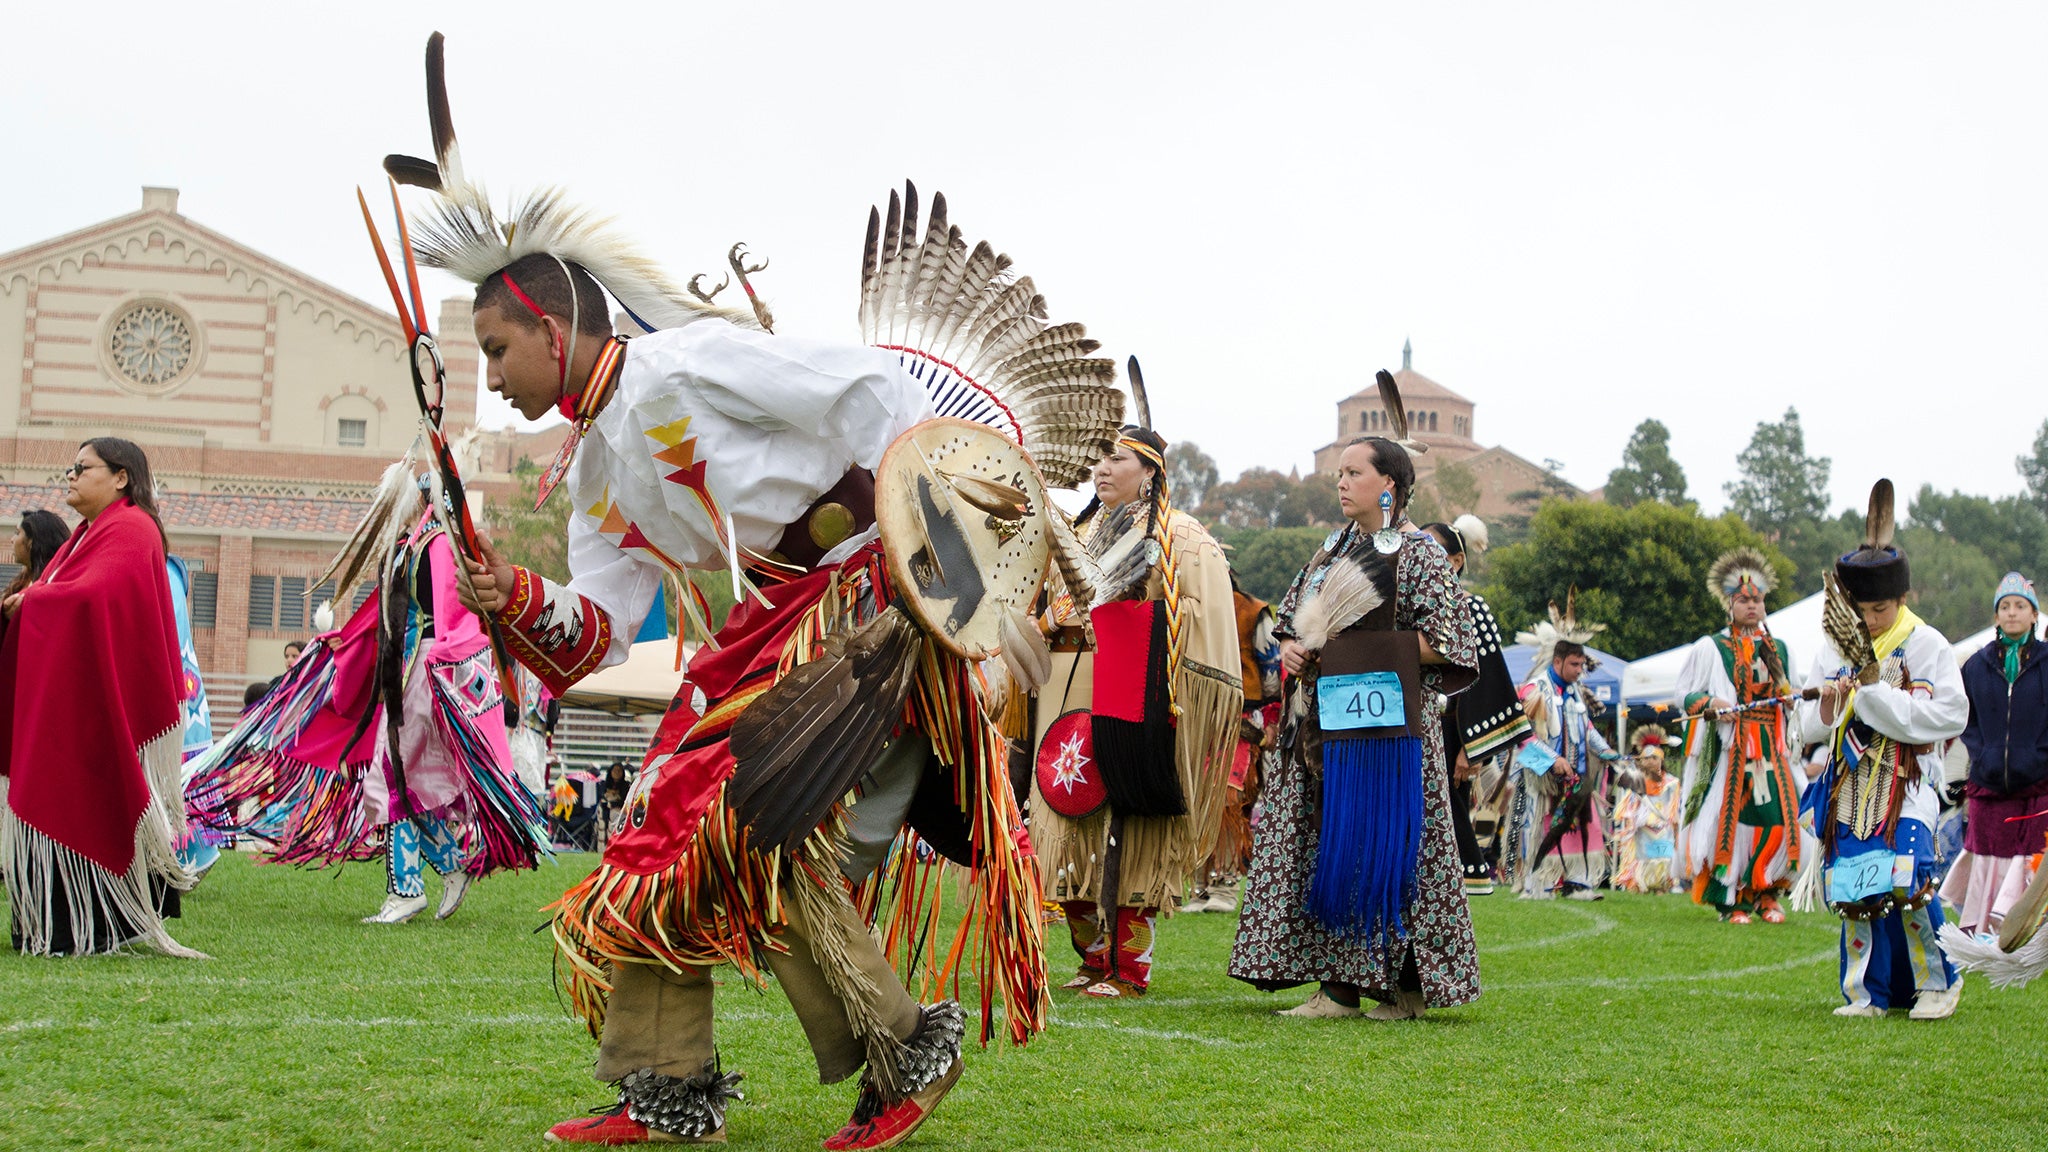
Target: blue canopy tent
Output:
[(1603, 683)]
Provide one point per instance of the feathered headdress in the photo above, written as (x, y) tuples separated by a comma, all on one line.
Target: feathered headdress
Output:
[(976, 336), (1648, 734), (1743, 567), (1562, 626), (464, 235)]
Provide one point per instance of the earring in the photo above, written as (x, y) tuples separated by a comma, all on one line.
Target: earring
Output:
[(1146, 491)]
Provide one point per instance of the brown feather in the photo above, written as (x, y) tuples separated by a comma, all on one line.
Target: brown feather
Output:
[(1141, 404), (782, 795), (1390, 397), (1878, 524)]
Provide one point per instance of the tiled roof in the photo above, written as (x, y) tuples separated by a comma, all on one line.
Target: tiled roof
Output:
[(1414, 386), (204, 511)]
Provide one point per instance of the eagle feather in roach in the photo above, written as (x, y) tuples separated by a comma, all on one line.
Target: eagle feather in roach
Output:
[(463, 234)]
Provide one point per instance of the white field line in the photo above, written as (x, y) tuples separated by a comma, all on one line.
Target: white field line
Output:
[(1625, 982), (1150, 1033), (1597, 925)]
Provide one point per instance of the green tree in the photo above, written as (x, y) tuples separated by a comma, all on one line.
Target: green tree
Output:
[(1647, 470), (1641, 570), (538, 539), (1952, 581), (1813, 545), (2011, 531), (1781, 488), (1266, 560), (2034, 468), (1264, 498), (1457, 488), (1190, 473)]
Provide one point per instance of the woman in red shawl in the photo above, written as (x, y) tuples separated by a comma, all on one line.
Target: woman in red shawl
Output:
[(90, 728)]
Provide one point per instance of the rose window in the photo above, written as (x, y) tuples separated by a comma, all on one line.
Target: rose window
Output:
[(150, 345)]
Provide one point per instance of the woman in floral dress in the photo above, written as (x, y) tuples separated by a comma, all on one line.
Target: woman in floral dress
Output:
[(1428, 960)]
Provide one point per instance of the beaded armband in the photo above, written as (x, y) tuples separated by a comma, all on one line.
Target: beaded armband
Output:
[(559, 635)]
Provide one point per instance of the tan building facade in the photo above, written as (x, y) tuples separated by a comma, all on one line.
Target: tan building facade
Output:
[(269, 404), (1445, 421)]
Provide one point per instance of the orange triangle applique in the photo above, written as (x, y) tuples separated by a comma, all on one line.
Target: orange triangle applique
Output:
[(681, 455)]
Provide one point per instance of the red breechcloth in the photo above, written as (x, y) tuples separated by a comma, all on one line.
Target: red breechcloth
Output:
[(690, 749), (89, 673)]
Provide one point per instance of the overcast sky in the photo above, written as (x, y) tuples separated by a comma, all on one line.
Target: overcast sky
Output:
[(1582, 214)]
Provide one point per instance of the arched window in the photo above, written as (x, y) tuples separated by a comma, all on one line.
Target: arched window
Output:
[(1432, 421)]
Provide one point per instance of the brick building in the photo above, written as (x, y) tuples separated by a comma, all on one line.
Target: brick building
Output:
[(269, 404), (1444, 420)]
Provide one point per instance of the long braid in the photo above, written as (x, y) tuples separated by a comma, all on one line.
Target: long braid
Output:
[(1158, 528)]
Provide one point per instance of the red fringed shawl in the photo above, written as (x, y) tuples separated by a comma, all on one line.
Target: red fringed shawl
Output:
[(89, 673)]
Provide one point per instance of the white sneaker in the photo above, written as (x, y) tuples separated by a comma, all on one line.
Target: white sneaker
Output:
[(1937, 1005), (398, 909), (453, 889), (1859, 1010)]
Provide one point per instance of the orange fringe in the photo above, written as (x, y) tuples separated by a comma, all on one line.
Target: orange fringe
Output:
[(721, 903)]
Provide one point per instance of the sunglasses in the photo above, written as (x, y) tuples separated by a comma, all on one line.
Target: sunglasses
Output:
[(77, 470)]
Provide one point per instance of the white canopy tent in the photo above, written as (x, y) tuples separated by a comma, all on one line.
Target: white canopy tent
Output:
[(642, 684), (1653, 678)]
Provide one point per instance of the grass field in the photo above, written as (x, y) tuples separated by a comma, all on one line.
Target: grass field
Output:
[(1632, 1023)]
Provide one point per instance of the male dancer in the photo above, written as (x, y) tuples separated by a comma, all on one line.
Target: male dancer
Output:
[(1738, 838), (708, 443), (1890, 697)]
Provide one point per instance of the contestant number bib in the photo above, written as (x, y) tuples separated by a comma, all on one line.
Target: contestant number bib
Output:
[(1866, 874), (1361, 700), (1536, 757)]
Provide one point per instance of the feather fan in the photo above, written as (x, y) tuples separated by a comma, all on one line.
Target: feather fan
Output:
[(1119, 545), (2014, 969), (1843, 625), (977, 337), (2023, 920), (1078, 570), (1345, 597)]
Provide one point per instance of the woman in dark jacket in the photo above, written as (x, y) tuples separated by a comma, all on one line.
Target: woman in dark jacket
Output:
[(2007, 740)]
